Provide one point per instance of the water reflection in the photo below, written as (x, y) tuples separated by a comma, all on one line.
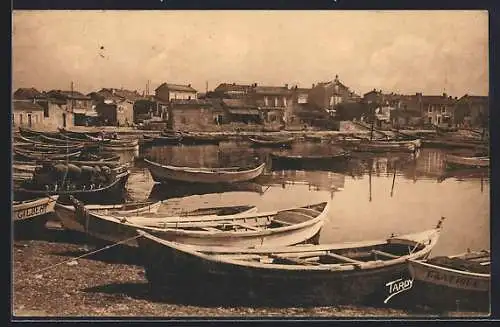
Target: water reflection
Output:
[(372, 197)]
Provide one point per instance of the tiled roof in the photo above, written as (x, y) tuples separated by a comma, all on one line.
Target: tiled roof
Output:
[(226, 87), (437, 99), (28, 93), (201, 102), (272, 90), (473, 98), (26, 106), (68, 95), (177, 87)]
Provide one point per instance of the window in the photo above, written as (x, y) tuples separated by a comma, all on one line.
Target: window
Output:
[(429, 109), (443, 109), (20, 119), (266, 101)]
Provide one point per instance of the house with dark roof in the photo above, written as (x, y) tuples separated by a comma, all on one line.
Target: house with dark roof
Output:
[(437, 109), (55, 112), (168, 92), (115, 106), (195, 114), (240, 111), (472, 111), (27, 114), (78, 104), (328, 95)]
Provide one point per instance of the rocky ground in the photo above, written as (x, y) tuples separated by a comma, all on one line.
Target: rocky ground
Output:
[(110, 283)]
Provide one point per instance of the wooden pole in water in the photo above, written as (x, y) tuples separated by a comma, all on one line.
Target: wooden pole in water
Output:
[(393, 180), (370, 181)]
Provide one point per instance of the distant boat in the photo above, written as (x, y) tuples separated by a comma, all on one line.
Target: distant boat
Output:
[(172, 139), (325, 274), (309, 160), (387, 146), (190, 138), (460, 282), (272, 141), (164, 173), (244, 229), (457, 161)]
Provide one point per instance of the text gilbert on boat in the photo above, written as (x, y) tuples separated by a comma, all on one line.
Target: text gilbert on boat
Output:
[(324, 274)]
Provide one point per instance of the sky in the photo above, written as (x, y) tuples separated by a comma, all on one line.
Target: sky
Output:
[(399, 51)]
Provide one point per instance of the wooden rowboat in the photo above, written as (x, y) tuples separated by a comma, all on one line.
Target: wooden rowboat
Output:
[(272, 141), (188, 138), (447, 143), (326, 274), (68, 218), (35, 155), (309, 161), (455, 161), (283, 227), (172, 139), (30, 209), (72, 219), (109, 193), (164, 173), (458, 282), (387, 146)]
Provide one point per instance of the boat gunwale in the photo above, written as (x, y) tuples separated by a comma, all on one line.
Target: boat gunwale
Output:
[(433, 236), (425, 264)]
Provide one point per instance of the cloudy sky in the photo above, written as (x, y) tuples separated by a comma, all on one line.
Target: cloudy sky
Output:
[(404, 51)]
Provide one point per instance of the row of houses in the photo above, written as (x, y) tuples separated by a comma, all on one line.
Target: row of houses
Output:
[(245, 106)]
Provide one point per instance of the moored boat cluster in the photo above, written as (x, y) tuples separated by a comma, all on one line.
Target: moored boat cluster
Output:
[(239, 251)]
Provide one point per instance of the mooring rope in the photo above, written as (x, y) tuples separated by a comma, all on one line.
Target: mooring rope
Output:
[(87, 254)]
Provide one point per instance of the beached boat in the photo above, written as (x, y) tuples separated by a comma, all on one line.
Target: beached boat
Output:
[(309, 161), (123, 146), (457, 161), (37, 155), (387, 146), (245, 229), (72, 218), (325, 274), (34, 208), (66, 213), (460, 282), (28, 132), (100, 194), (160, 140), (272, 141), (164, 173)]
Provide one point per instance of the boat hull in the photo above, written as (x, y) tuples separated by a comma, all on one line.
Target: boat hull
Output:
[(112, 193), (448, 289), (163, 174), (458, 162), (30, 210), (388, 146), (235, 283), (117, 229)]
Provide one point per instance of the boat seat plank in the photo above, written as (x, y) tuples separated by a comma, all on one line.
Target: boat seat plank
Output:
[(293, 260), (342, 258), (385, 254), (247, 226)]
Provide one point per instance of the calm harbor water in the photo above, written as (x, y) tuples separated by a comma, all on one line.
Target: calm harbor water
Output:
[(372, 196)]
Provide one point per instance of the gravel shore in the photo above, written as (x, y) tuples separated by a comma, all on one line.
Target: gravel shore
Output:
[(111, 284)]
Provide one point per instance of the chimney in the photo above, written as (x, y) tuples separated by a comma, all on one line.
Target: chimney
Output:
[(445, 95), (286, 86), (313, 86), (189, 85)]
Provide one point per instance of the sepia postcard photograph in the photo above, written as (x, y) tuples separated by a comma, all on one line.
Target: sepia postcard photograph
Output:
[(260, 163)]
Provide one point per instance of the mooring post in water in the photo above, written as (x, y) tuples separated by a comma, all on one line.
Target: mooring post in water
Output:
[(393, 180), (370, 181)]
